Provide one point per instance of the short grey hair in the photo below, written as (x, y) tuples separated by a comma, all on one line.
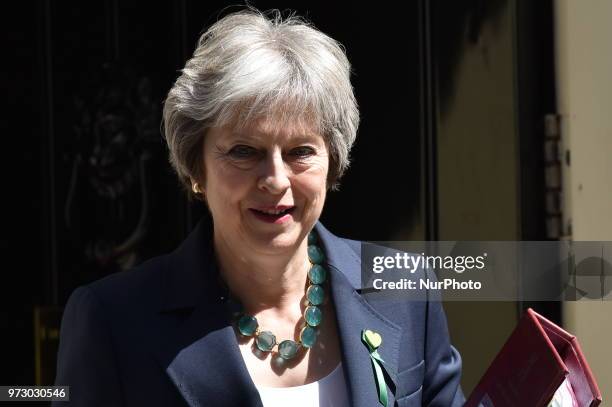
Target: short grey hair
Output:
[(251, 64)]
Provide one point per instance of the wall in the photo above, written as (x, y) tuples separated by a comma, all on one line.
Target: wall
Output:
[(478, 191), (584, 86)]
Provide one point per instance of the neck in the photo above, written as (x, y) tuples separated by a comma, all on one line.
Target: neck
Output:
[(263, 281)]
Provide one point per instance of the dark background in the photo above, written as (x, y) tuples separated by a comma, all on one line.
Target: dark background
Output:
[(87, 187)]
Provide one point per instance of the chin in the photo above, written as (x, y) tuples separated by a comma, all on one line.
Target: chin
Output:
[(276, 243)]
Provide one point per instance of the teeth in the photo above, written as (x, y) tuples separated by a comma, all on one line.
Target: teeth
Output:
[(274, 211)]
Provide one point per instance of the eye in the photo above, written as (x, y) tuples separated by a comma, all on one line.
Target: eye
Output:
[(242, 152), (302, 152)]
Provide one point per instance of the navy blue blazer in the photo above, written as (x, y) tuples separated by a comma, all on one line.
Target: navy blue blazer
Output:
[(160, 335)]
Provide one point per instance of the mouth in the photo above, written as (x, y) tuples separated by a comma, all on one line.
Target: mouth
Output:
[(273, 214)]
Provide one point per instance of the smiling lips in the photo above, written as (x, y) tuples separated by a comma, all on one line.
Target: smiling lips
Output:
[(273, 214)]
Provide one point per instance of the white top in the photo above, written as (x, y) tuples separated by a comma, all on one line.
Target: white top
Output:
[(330, 391)]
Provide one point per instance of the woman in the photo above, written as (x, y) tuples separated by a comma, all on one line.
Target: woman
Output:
[(261, 308)]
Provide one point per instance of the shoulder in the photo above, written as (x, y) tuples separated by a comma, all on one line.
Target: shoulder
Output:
[(141, 285), (176, 280)]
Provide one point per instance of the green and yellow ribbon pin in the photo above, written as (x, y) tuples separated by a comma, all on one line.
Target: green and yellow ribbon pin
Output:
[(372, 340)]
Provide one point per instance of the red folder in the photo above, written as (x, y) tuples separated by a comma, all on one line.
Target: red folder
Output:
[(532, 364)]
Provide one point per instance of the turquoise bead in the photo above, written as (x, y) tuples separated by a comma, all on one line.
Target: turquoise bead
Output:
[(308, 336), (247, 325), (313, 315), (317, 274), (287, 349), (315, 254), (265, 341), (315, 294)]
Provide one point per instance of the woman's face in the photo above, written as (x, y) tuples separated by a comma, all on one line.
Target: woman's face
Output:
[(265, 186)]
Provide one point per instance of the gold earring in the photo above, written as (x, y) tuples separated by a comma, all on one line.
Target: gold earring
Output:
[(196, 188)]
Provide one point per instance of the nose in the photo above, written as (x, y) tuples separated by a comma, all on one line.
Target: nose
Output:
[(274, 174)]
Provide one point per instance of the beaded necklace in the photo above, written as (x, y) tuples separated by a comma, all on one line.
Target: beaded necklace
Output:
[(315, 294)]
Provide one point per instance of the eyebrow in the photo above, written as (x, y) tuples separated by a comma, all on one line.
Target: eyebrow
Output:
[(259, 136)]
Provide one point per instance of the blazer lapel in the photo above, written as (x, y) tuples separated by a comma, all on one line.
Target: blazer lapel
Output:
[(202, 356), (205, 364), (354, 314)]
